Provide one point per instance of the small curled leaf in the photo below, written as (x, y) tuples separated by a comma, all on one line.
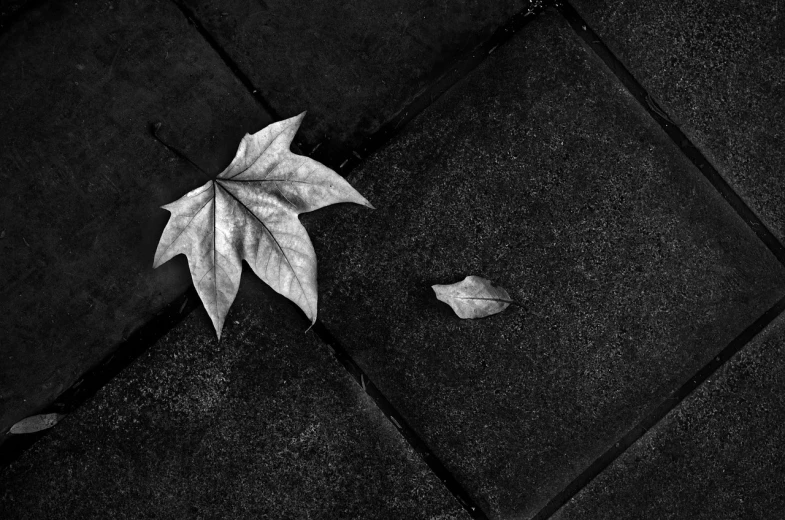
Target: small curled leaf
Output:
[(36, 423), (474, 297)]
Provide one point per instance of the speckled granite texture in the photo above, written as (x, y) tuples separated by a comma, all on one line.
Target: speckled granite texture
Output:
[(540, 173), (83, 179), (718, 455), (537, 170), (264, 424), (718, 70), (352, 64)]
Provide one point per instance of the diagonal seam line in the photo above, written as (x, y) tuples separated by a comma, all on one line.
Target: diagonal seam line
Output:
[(236, 70), (143, 337), (737, 203), (338, 156), (463, 66), (147, 334), (592, 40), (96, 378), (395, 417), (656, 415)]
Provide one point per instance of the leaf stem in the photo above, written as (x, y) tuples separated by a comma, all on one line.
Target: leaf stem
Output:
[(154, 127)]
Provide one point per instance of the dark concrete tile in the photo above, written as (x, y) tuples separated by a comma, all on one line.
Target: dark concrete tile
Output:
[(541, 174), (264, 424), (83, 180), (352, 64), (718, 455), (718, 69), (8, 8)]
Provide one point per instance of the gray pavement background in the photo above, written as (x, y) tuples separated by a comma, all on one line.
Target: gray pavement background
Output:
[(719, 455), (263, 424), (353, 64), (718, 70), (538, 171), (83, 179)]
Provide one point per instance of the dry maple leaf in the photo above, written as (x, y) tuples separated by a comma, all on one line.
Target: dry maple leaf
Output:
[(250, 212), (473, 297)]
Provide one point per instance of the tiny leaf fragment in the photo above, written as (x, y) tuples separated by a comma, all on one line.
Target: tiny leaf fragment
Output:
[(36, 423), (473, 297)]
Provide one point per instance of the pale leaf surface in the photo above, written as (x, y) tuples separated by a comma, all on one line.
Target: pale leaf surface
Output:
[(473, 297), (36, 423), (250, 212)]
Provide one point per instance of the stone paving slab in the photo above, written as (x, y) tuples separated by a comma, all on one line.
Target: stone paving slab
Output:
[(264, 424), (540, 173), (83, 179), (718, 70), (718, 455), (9, 8), (352, 64)]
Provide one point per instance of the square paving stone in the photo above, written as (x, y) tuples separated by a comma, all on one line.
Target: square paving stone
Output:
[(263, 424), (352, 64), (718, 455), (718, 70), (541, 174), (8, 8), (83, 179)]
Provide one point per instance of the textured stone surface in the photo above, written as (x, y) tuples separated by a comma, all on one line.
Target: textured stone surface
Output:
[(718, 69), (718, 455), (539, 173), (352, 64), (83, 179), (264, 424), (8, 8)]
